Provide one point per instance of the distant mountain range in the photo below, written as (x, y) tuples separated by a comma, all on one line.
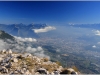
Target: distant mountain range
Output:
[(93, 26), (21, 29)]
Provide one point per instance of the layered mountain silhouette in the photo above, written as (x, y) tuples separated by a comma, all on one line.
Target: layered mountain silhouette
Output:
[(92, 26), (22, 30)]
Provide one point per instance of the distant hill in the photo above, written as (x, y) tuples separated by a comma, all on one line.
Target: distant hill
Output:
[(4, 35), (93, 26)]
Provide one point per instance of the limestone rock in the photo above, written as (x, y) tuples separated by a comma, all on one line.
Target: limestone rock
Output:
[(15, 60), (26, 55), (3, 51), (56, 72), (27, 73), (42, 71), (1, 59), (27, 64), (3, 69), (10, 51)]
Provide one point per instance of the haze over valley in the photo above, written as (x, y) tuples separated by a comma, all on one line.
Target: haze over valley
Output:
[(66, 44)]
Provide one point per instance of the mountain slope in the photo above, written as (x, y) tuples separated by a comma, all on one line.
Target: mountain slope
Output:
[(4, 35), (18, 63)]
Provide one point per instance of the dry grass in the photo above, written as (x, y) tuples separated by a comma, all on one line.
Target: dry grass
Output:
[(57, 62), (75, 68), (45, 59), (50, 67)]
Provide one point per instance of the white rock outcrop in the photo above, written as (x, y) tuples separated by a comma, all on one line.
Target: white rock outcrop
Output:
[(27, 64)]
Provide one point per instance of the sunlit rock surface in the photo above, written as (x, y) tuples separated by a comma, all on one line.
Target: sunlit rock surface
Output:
[(26, 63)]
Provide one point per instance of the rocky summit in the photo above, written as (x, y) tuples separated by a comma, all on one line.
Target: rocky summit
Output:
[(28, 64)]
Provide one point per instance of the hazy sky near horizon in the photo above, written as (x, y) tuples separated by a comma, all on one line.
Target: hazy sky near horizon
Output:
[(50, 12)]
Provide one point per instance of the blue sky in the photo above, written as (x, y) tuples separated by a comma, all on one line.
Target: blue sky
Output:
[(50, 12)]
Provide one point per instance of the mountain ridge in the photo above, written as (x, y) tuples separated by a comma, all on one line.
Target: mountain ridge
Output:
[(23, 30)]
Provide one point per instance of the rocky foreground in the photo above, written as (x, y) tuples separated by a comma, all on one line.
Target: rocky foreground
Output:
[(18, 63)]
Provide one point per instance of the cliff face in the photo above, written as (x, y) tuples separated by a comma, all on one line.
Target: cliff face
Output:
[(18, 63)]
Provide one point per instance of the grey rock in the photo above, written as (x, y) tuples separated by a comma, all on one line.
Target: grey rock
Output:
[(56, 72), (8, 65), (42, 71), (3, 69)]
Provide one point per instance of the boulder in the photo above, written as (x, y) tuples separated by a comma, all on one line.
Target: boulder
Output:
[(65, 71), (42, 71), (73, 72), (70, 69)]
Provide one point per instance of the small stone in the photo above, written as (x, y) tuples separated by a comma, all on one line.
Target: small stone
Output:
[(42, 71), (1, 59), (56, 72), (36, 73), (25, 66), (15, 60), (16, 72), (11, 72), (10, 51), (27, 73), (22, 72), (3, 51), (3, 69), (8, 65), (47, 72), (52, 73), (24, 69), (26, 55)]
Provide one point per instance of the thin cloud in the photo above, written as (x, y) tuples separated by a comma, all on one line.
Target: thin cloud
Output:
[(97, 32), (25, 39), (19, 45), (94, 46), (46, 29), (98, 43)]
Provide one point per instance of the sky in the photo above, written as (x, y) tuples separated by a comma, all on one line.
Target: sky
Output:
[(50, 12)]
